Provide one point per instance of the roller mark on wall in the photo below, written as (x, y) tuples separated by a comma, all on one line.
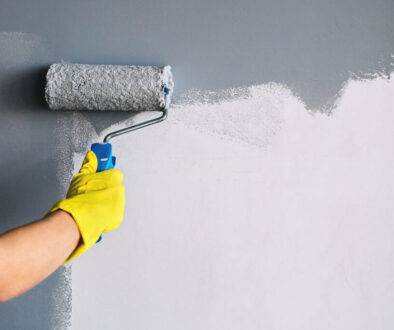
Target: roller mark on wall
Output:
[(74, 136), (282, 222)]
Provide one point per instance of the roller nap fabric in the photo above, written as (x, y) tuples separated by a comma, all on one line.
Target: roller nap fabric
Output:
[(108, 87)]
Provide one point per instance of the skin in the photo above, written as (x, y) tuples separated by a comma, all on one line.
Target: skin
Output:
[(31, 253)]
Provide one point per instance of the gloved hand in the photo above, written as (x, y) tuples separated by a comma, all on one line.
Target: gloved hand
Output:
[(95, 201)]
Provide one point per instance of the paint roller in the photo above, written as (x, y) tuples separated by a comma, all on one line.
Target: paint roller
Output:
[(110, 88)]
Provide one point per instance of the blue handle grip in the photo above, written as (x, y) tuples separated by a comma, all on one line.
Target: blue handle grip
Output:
[(105, 160), (103, 152)]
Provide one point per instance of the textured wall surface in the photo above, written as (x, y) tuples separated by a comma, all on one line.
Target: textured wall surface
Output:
[(192, 256), (224, 228)]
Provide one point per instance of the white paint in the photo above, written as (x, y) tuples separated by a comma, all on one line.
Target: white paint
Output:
[(228, 230), (74, 132), (250, 115)]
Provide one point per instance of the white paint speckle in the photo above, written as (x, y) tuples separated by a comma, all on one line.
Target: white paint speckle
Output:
[(250, 115), (74, 136)]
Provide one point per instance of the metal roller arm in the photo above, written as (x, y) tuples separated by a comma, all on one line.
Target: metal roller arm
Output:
[(137, 126)]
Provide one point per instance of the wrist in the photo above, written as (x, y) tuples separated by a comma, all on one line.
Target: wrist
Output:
[(63, 216), (64, 220)]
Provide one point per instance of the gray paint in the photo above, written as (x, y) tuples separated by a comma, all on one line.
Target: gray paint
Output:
[(312, 46), (28, 181)]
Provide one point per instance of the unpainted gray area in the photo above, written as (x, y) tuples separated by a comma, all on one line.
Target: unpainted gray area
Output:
[(28, 181), (311, 46)]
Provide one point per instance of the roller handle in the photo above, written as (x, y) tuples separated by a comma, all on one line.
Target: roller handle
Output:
[(105, 160)]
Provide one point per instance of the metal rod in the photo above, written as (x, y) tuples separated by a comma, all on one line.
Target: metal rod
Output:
[(137, 126)]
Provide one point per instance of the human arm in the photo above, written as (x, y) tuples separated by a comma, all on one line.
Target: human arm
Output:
[(30, 253), (94, 204)]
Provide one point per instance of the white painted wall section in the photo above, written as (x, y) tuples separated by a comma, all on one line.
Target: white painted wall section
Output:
[(251, 213)]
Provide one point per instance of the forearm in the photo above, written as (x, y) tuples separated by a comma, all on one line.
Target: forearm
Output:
[(30, 253)]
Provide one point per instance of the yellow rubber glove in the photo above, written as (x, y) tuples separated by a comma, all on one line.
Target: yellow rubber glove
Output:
[(95, 201)]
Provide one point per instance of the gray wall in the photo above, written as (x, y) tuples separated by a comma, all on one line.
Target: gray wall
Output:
[(311, 46)]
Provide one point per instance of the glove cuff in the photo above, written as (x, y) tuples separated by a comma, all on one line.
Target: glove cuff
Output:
[(88, 238)]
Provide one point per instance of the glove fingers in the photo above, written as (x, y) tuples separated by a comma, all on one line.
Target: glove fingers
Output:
[(118, 202), (89, 164), (96, 202), (112, 177), (83, 183)]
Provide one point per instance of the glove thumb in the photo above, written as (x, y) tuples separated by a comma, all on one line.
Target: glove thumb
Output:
[(89, 165)]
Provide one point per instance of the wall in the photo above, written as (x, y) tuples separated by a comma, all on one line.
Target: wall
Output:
[(281, 222), (248, 208)]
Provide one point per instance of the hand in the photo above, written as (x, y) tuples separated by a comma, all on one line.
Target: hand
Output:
[(95, 201)]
